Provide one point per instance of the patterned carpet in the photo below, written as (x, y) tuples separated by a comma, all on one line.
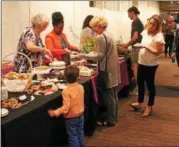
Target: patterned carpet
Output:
[(160, 129)]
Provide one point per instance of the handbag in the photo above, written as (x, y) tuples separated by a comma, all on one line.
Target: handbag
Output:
[(103, 78)]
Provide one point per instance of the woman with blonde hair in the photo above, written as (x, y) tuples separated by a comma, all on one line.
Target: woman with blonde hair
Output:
[(30, 43), (152, 45), (107, 62)]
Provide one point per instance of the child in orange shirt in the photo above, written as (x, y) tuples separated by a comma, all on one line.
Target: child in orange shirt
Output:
[(73, 107)]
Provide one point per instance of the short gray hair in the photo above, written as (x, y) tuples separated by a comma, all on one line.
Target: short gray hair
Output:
[(39, 20)]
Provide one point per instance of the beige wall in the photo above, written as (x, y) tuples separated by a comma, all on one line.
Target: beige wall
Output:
[(15, 17), (74, 12)]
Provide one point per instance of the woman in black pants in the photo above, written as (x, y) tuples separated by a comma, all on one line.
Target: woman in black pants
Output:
[(152, 45), (177, 46)]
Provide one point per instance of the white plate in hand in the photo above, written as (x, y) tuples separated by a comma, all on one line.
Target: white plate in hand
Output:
[(138, 45)]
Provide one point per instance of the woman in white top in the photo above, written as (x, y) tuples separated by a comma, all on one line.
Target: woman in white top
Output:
[(152, 45)]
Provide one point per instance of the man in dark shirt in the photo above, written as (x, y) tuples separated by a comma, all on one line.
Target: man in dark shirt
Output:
[(137, 28)]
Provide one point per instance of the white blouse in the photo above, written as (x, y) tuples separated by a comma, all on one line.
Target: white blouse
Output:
[(146, 57)]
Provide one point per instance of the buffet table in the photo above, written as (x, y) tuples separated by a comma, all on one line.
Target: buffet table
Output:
[(124, 75), (31, 125)]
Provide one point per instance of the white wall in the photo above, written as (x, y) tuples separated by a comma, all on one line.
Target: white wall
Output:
[(74, 13), (147, 9), (48, 7), (15, 17)]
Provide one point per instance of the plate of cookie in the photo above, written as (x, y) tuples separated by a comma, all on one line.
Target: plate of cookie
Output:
[(15, 103), (11, 103)]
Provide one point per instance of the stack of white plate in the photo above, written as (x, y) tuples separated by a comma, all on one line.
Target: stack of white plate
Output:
[(4, 112), (4, 93)]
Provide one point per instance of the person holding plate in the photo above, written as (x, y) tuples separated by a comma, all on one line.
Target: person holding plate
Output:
[(107, 57), (152, 46), (30, 43), (136, 37), (57, 41)]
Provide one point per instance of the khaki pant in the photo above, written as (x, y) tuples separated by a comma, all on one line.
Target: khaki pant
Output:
[(134, 55)]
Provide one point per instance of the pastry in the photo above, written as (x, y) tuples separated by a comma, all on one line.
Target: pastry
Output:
[(11, 103)]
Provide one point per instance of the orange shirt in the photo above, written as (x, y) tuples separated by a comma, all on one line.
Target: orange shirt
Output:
[(53, 43), (73, 101)]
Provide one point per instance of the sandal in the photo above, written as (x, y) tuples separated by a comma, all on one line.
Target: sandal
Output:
[(135, 107)]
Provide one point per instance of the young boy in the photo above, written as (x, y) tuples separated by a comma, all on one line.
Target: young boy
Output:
[(73, 107)]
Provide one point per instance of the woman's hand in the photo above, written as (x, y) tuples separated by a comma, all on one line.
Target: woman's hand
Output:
[(67, 50), (79, 50), (80, 56), (124, 45), (47, 51), (157, 51)]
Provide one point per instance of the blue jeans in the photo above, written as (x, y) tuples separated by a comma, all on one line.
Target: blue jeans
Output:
[(75, 131)]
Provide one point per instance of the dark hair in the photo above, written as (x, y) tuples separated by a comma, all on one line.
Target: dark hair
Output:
[(87, 21), (57, 18), (71, 73), (134, 9)]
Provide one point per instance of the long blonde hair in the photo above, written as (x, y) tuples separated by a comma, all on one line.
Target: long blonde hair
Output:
[(158, 20)]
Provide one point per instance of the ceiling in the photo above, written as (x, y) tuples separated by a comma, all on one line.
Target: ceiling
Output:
[(169, 6)]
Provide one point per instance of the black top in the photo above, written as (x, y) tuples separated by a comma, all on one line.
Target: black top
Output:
[(137, 26)]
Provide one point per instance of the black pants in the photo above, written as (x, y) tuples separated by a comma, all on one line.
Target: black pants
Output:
[(146, 74), (168, 44)]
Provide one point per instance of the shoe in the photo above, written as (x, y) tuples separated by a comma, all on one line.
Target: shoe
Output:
[(133, 93), (111, 124), (99, 123), (135, 107), (147, 112)]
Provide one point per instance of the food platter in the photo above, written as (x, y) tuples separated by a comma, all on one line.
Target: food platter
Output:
[(85, 71), (56, 67), (62, 85), (91, 55), (43, 88), (57, 64), (41, 67)]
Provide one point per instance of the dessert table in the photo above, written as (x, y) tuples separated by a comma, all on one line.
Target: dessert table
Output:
[(31, 125)]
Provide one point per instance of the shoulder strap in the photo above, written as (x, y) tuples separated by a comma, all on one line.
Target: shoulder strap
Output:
[(106, 52)]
